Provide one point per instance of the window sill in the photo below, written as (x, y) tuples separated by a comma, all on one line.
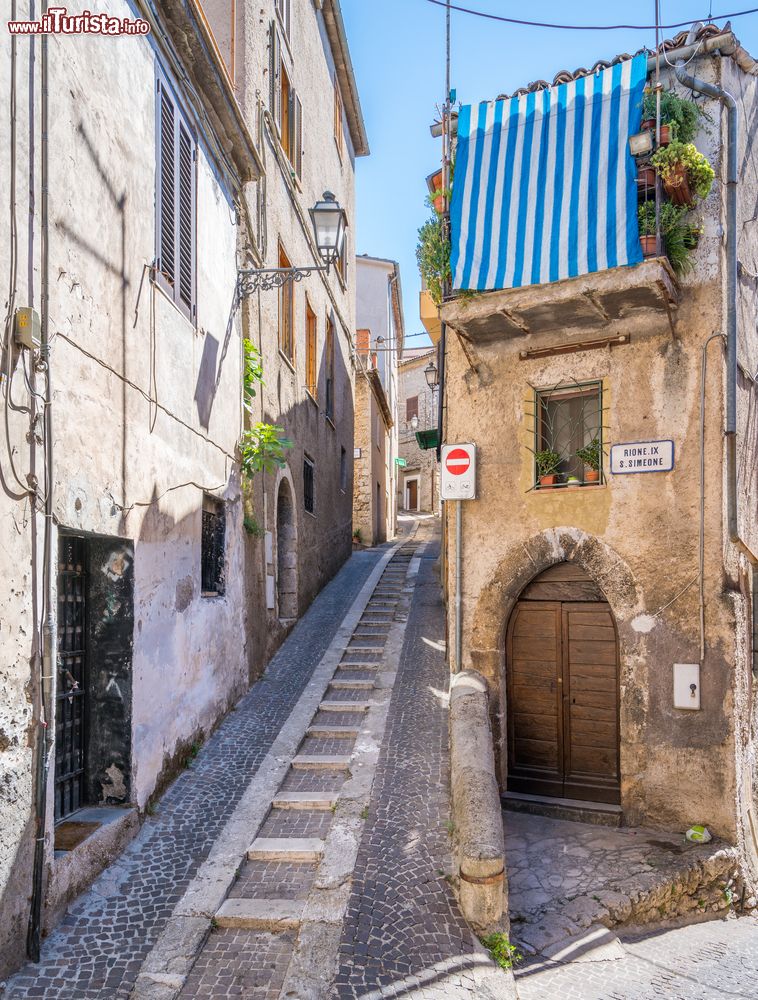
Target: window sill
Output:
[(312, 398), (562, 488), (290, 363), (211, 593), (310, 513), (330, 421)]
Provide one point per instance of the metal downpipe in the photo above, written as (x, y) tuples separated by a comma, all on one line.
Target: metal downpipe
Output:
[(719, 94)]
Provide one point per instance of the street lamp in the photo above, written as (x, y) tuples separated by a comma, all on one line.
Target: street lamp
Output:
[(329, 225), (432, 379), (414, 422)]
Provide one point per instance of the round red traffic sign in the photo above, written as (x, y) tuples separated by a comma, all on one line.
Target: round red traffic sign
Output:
[(457, 461)]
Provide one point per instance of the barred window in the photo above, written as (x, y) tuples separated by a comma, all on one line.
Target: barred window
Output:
[(309, 497), (213, 544)]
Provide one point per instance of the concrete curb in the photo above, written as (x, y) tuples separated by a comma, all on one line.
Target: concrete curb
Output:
[(476, 803)]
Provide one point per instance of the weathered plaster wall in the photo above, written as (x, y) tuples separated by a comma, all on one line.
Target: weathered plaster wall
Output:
[(636, 535), (147, 412), (412, 382)]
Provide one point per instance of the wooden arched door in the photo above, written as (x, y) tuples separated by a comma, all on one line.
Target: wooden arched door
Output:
[(563, 689)]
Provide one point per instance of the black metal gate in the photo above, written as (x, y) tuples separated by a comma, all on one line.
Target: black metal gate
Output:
[(71, 695)]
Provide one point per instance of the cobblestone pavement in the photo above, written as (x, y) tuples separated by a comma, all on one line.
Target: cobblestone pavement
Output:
[(565, 876), (715, 960), (403, 934), (98, 950)]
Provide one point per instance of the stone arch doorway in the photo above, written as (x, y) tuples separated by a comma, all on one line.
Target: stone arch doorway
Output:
[(562, 684), (286, 552)]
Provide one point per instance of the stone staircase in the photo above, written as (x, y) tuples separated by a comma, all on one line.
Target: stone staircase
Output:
[(270, 894)]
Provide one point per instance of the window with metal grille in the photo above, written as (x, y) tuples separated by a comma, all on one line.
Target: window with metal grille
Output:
[(213, 544), (309, 494), (176, 201), (311, 349), (329, 361), (569, 417), (286, 312)]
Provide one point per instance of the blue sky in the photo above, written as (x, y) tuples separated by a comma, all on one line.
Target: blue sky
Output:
[(398, 53)]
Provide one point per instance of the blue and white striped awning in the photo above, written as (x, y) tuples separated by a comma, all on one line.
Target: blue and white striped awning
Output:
[(544, 184)]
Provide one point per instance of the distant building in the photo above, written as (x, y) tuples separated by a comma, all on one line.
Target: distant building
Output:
[(379, 318), (418, 478)]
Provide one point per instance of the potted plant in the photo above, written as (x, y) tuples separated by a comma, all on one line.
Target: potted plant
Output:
[(685, 172), (573, 481), (591, 455), (679, 116), (547, 462), (645, 177), (679, 236)]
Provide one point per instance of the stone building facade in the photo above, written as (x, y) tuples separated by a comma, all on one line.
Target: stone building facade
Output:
[(158, 584), (418, 480), (631, 588), (380, 337)]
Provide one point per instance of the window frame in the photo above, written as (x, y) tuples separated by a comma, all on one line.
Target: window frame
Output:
[(408, 408), (593, 387), (309, 466), (213, 507), (286, 310), (285, 104), (284, 15), (311, 350), (343, 469), (339, 118), (170, 281)]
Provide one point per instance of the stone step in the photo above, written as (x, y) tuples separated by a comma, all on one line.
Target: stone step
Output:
[(351, 685), (364, 649), (320, 762), (305, 800), (345, 706), (358, 665), (261, 914), (294, 849), (335, 732)]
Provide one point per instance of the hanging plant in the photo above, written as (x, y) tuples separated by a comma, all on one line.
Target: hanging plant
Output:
[(262, 446), (680, 237), (433, 257), (685, 172), (681, 114)]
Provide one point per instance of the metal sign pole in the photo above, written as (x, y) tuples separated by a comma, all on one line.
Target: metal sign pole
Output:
[(458, 603)]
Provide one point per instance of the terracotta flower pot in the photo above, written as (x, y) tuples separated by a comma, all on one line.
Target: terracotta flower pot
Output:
[(550, 480), (665, 135), (648, 125), (677, 186), (648, 246), (593, 475), (645, 178), (438, 200)]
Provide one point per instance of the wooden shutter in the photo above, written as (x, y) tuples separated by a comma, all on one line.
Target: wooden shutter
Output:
[(296, 124), (186, 230), (411, 407), (166, 211), (275, 79)]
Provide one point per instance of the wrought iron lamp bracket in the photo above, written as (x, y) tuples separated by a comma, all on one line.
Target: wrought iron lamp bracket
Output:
[(263, 279)]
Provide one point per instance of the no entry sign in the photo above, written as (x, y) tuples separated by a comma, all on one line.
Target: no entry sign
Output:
[(458, 481)]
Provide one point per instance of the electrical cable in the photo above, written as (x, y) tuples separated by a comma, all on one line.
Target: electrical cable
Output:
[(585, 27)]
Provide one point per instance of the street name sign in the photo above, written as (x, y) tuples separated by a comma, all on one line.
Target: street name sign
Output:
[(402, 462), (458, 480), (642, 456)]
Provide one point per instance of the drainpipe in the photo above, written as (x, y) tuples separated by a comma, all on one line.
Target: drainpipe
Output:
[(711, 90), (47, 689)]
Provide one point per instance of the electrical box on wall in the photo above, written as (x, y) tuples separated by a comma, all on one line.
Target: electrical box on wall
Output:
[(687, 686), (26, 328)]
